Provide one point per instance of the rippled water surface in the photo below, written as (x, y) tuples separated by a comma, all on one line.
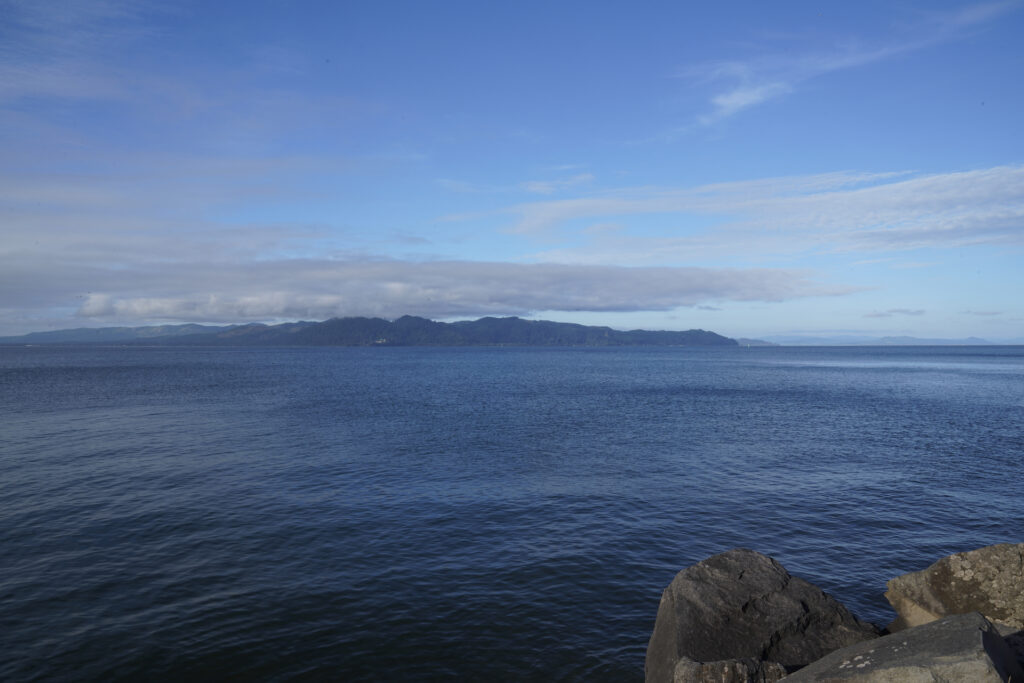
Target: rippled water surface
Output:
[(479, 514)]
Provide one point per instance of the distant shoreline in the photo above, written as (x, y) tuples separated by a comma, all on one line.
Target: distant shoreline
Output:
[(405, 331), (415, 331)]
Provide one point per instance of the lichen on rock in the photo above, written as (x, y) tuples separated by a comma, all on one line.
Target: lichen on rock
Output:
[(988, 580), (961, 647)]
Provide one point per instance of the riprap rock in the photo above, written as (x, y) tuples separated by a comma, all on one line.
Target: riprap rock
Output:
[(742, 605), (989, 580), (963, 647)]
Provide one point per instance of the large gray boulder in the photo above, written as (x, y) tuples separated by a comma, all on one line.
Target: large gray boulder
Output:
[(744, 615), (963, 647), (728, 671), (989, 580)]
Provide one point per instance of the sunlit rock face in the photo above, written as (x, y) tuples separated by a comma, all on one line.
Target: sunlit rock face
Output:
[(988, 580)]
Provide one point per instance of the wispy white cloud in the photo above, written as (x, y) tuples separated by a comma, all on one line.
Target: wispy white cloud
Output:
[(713, 198), (64, 51), (972, 15), (453, 185), (830, 212), (742, 84), (603, 228), (730, 102), (109, 52), (895, 311), (911, 265), (552, 186)]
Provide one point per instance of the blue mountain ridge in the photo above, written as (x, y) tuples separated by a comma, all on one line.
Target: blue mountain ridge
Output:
[(361, 331)]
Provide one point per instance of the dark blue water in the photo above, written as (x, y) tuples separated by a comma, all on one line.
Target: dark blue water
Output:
[(475, 514)]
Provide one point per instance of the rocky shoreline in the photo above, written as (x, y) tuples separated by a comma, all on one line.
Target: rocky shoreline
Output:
[(740, 617)]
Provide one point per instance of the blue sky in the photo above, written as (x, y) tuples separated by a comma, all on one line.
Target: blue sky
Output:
[(754, 169)]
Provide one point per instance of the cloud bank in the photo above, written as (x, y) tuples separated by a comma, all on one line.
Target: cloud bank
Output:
[(108, 252), (321, 289), (894, 311)]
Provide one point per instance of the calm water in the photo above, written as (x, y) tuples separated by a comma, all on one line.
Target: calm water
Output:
[(475, 514)]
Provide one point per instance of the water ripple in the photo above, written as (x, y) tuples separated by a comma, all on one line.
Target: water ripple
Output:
[(479, 514)]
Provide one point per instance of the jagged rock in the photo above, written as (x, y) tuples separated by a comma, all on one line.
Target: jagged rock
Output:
[(742, 605), (727, 671), (989, 580), (963, 647)]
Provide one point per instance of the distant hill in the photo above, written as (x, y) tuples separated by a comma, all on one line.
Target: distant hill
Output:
[(405, 331), (742, 341), (915, 341), (85, 335), (875, 341)]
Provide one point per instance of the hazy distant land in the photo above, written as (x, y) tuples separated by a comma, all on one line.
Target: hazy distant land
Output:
[(851, 340), (405, 331), (416, 331)]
